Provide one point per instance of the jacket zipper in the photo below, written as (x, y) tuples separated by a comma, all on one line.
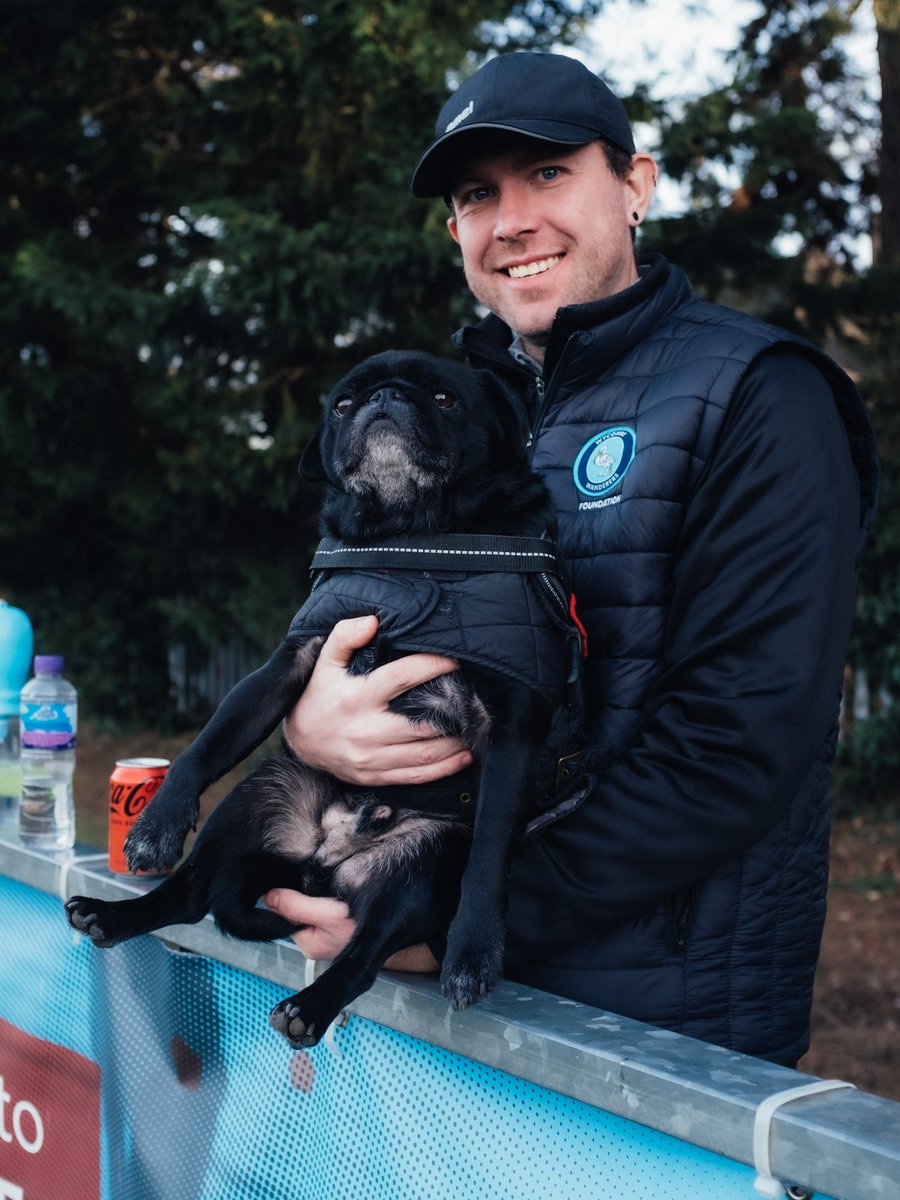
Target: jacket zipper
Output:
[(544, 389), (680, 912), (541, 389), (554, 595)]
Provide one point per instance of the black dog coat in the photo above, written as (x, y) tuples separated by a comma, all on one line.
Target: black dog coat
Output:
[(495, 602)]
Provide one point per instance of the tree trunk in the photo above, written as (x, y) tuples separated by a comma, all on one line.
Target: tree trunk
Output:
[(887, 20)]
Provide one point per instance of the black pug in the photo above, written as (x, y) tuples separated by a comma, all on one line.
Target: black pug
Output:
[(412, 448)]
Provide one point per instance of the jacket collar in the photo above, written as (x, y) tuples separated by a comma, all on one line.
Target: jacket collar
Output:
[(618, 321)]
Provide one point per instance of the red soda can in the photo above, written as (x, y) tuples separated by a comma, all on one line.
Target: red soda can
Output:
[(132, 785)]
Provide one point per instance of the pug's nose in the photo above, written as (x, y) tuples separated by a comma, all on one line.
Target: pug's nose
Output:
[(385, 395)]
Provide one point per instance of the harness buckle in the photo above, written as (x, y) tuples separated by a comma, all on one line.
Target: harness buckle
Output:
[(566, 768)]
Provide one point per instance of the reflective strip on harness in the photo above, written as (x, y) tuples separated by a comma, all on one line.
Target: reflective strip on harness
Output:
[(456, 552)]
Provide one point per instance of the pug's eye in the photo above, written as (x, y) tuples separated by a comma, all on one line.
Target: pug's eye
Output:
[(343, 404), (443, 399)]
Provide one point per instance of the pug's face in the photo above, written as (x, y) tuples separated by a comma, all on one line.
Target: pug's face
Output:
[(402, 426), (390, 431)]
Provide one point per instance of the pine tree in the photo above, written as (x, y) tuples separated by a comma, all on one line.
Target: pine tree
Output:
[(206, 223)]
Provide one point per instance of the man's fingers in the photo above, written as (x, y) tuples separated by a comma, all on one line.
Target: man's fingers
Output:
[(325, 927), (392, 679), (395, 678), (343, 724), (347, 636), (427, 773), (306, 910)]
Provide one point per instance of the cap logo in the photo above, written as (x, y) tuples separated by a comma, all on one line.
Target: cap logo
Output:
[(466, 112), (603, 461)]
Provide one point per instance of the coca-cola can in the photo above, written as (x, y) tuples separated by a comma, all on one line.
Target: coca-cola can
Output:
[(132, 786)]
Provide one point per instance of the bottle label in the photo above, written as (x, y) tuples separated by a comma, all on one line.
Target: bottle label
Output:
[(49, 726)]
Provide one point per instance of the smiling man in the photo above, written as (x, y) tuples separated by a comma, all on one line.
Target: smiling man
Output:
[(713, 478), (540, 228)]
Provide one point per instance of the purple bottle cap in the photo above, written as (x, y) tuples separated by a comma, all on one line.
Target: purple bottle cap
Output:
[(48, 664)]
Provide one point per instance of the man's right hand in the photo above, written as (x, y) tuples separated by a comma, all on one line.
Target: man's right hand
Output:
[(342, 723)]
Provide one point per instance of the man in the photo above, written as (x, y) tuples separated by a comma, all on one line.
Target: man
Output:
[(713, 477)]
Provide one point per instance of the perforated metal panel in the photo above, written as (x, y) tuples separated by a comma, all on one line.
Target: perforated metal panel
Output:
[(202, 1101)]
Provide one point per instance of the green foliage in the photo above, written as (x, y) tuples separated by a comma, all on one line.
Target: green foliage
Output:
[(204, 222), (777, 163), (868, 764)]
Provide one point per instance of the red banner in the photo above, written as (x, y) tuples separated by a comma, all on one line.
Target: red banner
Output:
[(49, 1120)]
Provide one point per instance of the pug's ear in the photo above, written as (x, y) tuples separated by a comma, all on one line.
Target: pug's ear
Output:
[(311, 467)]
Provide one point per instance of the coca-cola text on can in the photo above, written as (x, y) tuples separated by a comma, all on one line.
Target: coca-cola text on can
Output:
[(132, 786)]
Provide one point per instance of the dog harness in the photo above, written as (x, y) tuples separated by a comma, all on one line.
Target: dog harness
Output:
[(491, 601)]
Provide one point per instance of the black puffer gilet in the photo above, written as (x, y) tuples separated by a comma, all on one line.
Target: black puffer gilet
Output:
[(660, 361)]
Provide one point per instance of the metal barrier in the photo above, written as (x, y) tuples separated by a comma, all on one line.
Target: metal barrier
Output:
[(524, 1095)]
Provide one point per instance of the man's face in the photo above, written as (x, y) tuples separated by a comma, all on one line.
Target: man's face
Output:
[(541, 226)]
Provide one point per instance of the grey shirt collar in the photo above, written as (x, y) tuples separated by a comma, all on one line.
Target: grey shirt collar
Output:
[(521, 355)]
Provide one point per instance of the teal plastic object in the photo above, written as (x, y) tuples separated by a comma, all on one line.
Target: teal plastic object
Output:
[(16, 649)]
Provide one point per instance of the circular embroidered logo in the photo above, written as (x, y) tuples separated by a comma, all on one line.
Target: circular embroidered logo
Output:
[(603, 461)]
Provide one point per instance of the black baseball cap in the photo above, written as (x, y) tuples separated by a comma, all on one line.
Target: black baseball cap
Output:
[(546, 96)]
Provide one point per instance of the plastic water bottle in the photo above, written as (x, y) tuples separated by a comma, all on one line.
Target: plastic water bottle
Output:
[(16, 646), (49, 719)]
